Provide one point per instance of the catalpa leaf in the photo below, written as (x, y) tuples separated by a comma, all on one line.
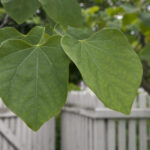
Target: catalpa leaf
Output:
[(65, 12), (20, 10), (33, 79), (108, 65), (33, 37)]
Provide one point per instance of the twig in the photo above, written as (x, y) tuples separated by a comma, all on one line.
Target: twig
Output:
[(145, 83), (5, 21)]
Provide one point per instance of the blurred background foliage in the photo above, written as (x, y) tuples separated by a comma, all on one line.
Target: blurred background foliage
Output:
[(130, 16)]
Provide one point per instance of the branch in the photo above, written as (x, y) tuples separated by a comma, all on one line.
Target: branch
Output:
[(5, 21), (145, 83)]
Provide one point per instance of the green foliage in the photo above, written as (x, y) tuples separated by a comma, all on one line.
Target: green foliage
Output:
[(34, 67), (66, 12), (2, 12), (112, 11), (130, 19), (145, 17), (35, 82), (101, 59), (73, 87), (145, 54)]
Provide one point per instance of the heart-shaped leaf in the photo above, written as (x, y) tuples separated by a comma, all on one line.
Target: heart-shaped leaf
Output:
[(108, 65), (33, 79)]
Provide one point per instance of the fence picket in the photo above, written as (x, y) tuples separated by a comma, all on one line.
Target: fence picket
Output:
[(51, 134), (122, 135), (78, 145), (90, 137), (29, 139), (12, 123), (99, 135), (1, 141), (24, 135), (67, 131), (86, 124), (132, 131), (5, 142), (18, 131), (142, 123), (63, 131), (99, 129), (111, 135), (39, 140)]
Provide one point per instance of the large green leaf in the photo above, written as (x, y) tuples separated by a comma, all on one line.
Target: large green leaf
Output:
[(20, 10), (65, 12), (108, 65), (33, 79)]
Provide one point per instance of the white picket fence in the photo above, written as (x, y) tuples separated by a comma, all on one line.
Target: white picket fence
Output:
[(15, 135), (87, 125)]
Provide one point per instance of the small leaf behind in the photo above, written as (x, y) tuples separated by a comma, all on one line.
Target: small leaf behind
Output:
[(65, 12), (20, 10)]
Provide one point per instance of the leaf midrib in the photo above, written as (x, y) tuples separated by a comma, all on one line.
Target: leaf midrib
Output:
[(36, 74)]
